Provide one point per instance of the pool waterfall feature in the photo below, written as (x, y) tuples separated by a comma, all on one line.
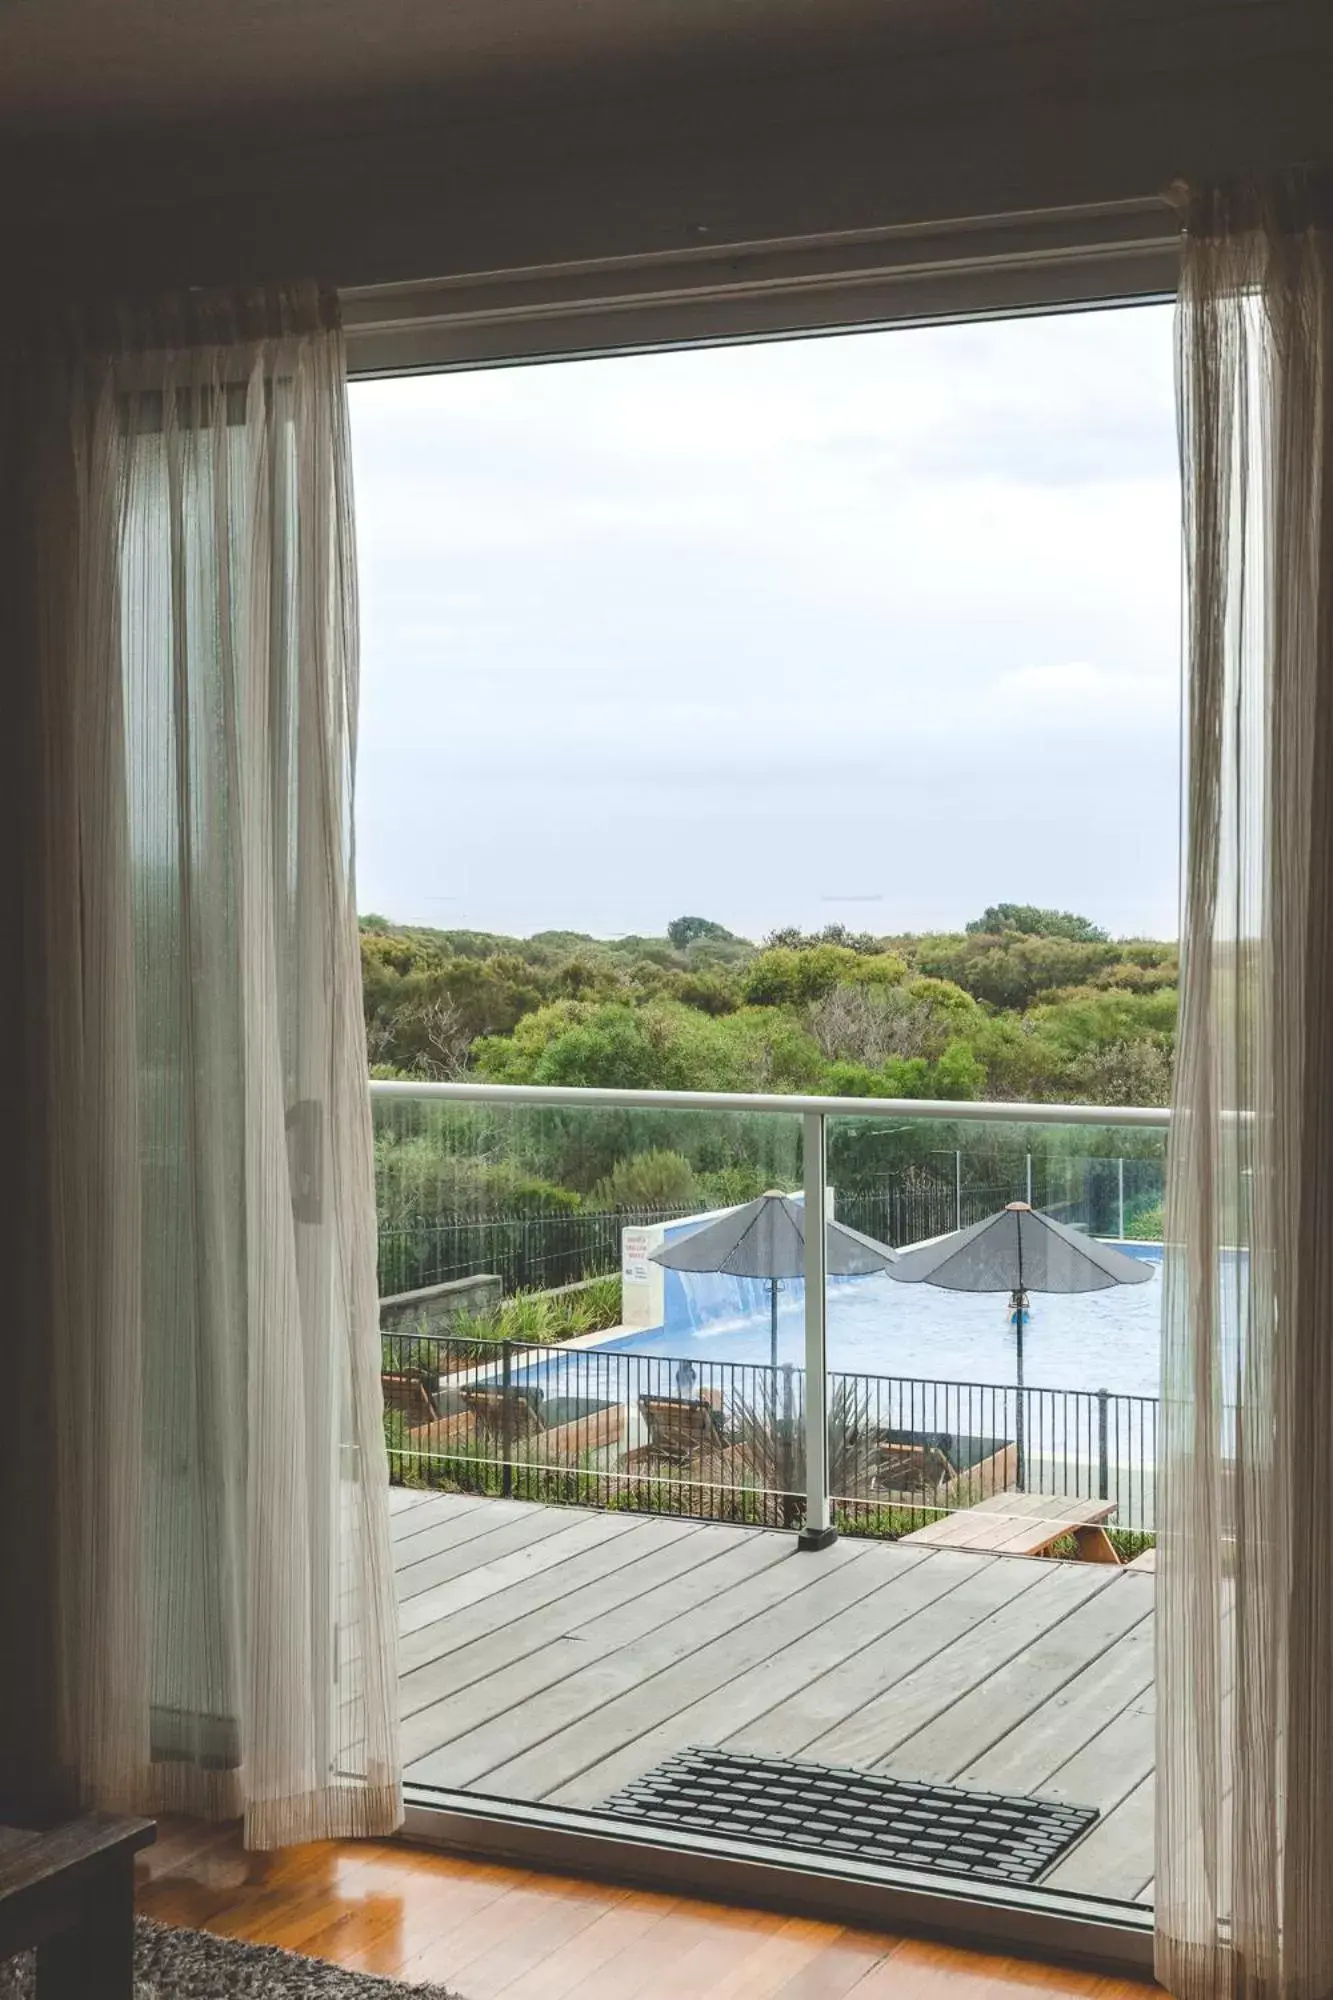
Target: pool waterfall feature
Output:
[(1090, 1340)]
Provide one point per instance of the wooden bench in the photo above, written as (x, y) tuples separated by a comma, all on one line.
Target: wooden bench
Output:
[(1024, 1524), (68, 1893)]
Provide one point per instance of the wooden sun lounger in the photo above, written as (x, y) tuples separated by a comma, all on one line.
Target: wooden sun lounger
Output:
[(501, 1412), (912, 1468), (407, 1391), (942, 1469), (679, 1428), (495, 1419), (1024, 1524)]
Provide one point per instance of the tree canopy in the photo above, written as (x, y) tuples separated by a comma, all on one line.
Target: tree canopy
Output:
[(1024, 1003), (1034, 922), (684, 931)]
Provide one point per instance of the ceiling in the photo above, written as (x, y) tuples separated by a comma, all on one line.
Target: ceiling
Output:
[(99, 62), (160, 142)]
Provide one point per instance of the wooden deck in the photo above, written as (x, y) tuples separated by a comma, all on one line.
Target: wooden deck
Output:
[(553, 1654)]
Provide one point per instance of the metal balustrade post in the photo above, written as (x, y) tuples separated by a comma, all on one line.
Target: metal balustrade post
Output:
[(1103, 1456), (506, 1420), (818, 1532)]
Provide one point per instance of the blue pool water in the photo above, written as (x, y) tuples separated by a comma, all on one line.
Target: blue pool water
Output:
[(1090, 1340)]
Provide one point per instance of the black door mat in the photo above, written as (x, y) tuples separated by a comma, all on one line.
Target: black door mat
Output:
[(830, 1810)]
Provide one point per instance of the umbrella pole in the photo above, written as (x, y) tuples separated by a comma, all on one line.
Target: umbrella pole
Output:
[(1019, 1303), (782, 1433), (773, 1328)]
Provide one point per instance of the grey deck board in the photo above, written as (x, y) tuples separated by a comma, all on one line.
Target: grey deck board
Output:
[(662, 1677), (1113, 1762), (1110, 1861), (971, 1586), (502, 1566), (455, 1531), (554, 1654), (977, 1720), (460, 1559), (686, 1613), (717, 1715), (464, 1617), (871, 1736), (428, 1509), (1030, 1753), (608, 1596), (497, 1675)]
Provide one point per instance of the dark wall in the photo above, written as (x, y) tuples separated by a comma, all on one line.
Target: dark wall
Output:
[(31, 500), (1039, 103)]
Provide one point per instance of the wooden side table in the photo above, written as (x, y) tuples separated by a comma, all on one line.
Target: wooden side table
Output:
[(68, 1892)]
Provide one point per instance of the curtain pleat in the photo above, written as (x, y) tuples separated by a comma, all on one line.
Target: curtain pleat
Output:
[(1245, 1584), (226, 1639)]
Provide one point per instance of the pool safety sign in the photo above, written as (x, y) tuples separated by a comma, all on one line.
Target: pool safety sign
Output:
[(635, 1268), (642, 1282)]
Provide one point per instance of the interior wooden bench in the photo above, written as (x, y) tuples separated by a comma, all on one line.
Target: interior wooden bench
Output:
[(67, 1891)]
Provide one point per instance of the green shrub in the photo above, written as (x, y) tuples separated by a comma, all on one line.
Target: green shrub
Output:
[(483, 1327), (404, 1350), (546, 1316), (731, 1186), (420, 1181), (1145, 1224), (530, 1316), (710, 992), (594, 1306), (882, 1523), (781, 977), (647, 1180), (1127, 1543), (404, 1464), (533, 1317)]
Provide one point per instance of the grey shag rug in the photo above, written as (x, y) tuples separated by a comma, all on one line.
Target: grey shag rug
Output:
[(171, 1964)]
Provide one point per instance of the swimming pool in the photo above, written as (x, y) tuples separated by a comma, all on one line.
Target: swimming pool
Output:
[(914, 1359), (1087, 1340)]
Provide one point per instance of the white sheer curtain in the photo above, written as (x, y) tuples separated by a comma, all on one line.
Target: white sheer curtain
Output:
[(1244, 1890), (227, 1639)]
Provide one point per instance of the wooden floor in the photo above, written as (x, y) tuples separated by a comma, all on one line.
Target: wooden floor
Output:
[(553, 1654), (493, 1933)]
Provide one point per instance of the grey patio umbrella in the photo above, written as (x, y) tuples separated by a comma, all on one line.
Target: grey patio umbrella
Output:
[(766, 1239), (1018, 1251)]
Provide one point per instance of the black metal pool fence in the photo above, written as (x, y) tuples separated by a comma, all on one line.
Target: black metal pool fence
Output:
[(724, 1440), (1103, 1195), (530, 1252)]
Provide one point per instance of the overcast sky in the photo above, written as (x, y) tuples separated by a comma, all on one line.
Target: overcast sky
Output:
[(875, 629)]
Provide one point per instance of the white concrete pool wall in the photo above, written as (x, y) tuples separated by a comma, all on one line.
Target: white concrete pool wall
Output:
[(643, 1283)]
